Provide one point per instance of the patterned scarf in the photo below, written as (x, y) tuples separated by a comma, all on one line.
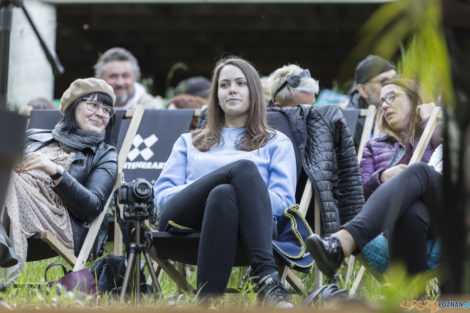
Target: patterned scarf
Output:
[(80, 139)]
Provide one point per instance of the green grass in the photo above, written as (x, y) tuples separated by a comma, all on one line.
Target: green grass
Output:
[(386, 294)]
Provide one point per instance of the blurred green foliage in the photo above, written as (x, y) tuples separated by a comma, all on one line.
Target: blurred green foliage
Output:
[(417, 26)]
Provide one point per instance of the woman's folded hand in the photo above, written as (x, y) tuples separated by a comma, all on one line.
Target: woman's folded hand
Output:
[(424, 110), (35, 161), (390, 172)]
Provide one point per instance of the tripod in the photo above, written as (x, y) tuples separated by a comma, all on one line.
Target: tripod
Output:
[(133, 263)]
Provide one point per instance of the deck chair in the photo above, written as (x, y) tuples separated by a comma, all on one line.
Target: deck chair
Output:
[(153, 142), (46, 245), (370, 118), (369, 114), (416, 157), (183, 247), (45, 119), (352, 117), (151, 147)]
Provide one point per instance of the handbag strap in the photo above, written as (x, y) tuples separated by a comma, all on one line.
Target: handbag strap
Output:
[(64, 270)]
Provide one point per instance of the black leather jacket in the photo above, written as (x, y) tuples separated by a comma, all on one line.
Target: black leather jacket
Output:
[(329, 160), (86, 186)]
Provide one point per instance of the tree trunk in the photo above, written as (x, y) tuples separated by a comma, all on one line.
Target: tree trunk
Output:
[(456, 180)]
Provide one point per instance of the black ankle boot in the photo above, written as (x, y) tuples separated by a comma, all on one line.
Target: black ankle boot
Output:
[(327, 253), (272, 292)]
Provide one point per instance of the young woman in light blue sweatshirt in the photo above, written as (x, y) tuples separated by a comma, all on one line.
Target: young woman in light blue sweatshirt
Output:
[(228, 180)]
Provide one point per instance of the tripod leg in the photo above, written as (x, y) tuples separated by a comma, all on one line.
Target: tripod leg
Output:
[(130, 263), (157, 268), (137, 277), (152, 272)]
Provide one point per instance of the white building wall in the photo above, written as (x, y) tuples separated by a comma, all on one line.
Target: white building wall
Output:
[(30, 74)]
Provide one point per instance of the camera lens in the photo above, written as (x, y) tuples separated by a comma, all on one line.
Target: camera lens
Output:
[(142, 189)]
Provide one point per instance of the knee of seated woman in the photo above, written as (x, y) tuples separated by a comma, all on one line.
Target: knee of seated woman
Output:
[(222, 193), (418, 167), (417, 215), (244, 164), (422, 170), (244, 168)]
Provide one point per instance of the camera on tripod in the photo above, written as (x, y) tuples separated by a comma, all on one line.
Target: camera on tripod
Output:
[(137, 197), (137, 200)]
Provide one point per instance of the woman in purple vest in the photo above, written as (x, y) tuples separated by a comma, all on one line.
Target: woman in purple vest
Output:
[(399, 206), (404, 114)]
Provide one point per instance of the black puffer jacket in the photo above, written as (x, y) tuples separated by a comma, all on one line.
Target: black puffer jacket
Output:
[(329, 160), (87, 184)]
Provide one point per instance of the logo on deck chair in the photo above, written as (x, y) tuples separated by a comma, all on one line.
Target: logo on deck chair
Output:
[(142, 147)]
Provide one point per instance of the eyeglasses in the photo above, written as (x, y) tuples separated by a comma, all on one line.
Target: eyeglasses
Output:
[(293, 80), (94, 106), (389, 97)]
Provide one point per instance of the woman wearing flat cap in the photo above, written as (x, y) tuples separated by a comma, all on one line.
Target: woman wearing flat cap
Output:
[(66, 174)]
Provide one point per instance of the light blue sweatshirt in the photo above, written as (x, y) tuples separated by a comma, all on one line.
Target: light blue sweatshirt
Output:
[(275, 162)]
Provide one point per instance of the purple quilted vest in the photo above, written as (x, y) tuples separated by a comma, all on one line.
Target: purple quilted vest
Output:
[(378, 156)]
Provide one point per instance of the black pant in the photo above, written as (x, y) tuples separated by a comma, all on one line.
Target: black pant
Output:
[(400, 207), (227, 205)]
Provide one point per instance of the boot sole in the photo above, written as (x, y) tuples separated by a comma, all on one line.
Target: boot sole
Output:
[(316, 250)]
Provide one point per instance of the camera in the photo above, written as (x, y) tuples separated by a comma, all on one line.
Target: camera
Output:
[(137, 197)]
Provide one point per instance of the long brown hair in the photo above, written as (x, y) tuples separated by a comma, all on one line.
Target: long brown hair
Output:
[(415, 93), (257, 132)]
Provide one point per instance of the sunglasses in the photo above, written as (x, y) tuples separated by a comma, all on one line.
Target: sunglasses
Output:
[(293, 81)]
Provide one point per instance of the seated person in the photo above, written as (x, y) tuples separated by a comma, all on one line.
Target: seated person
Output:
[(266, 89), (187, 102), (198, 86), (370, 76), (406, 222), (67, 172), (291, 85), (228, 180), (403, 117), (399, 197), (37, 104), (120, 69)]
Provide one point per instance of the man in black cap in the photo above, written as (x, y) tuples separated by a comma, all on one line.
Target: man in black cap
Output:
[(370, 76), (198, 86)]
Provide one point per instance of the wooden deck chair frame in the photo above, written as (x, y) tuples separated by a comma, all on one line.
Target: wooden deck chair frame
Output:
[(55, 244), (367, 130), (118, 237), (416, 157), (370, 115), (286, 273)]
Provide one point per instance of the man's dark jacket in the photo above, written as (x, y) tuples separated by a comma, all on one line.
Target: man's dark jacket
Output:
[(329, 160), (86, 186), (356, 101)]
